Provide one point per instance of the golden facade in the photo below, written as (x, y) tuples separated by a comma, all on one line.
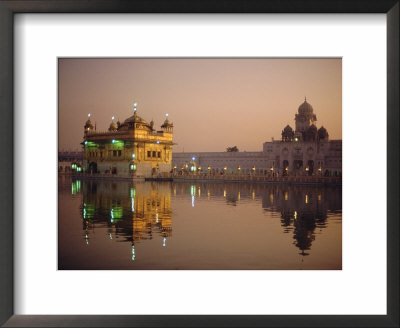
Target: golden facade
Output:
[(131, 148)]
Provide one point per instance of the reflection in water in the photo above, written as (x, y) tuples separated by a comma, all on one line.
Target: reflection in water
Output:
[(132, 212), (210, 218)]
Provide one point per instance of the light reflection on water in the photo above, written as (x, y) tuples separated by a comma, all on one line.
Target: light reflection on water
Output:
[(149, 225)]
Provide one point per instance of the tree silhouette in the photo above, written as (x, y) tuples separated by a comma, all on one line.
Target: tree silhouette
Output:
[(232, 149)]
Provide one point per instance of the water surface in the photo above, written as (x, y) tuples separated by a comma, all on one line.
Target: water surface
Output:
[(215, 226)]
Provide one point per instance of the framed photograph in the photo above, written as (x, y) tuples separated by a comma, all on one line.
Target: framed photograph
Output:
[(184, 165)]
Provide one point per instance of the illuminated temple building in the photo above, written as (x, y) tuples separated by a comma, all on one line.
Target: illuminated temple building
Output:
[(307, 150), (131, 148)]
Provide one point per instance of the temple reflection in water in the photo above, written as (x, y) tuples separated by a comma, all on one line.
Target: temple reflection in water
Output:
[(131, 212), (142, 211)]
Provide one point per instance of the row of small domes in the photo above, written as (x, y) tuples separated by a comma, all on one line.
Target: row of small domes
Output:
[(133, 119)]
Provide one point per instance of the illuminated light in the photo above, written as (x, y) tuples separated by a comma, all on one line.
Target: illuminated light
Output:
[(133, 155), (112, 118), (87, 239), (307, 169), (238, 168), (286, 169), (133, 253), (296, 139), (319, 197), (208, 194), (192, 190), (286, 195), (164, 242), (133, 204), (225, 168), (85, 142), (156, 217), (110, 235), (199, 192), (193, 158), (158, 141), (271, 198), (306, 200), (113, 141), (88, 115), (224, 193), (209, 167), (253, 195), (238, 195), (166, 114), (295, 215), (253, 168), (192, 201)]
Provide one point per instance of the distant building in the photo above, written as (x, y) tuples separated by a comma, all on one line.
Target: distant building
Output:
[(306, 150), (132, 148), (69, 161)]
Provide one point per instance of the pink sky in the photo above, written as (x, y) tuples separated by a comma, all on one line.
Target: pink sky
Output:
[(213, 103)]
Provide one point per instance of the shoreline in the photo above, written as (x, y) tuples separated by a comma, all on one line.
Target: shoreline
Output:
[(287, 180)]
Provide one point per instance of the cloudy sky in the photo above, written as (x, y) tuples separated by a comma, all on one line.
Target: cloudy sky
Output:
[(213, 103)]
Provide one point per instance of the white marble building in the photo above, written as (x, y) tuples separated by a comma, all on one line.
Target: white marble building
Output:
[(306, 150)]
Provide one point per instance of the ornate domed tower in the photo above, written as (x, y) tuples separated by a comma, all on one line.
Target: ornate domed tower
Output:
[(287, 133), (113, 126), (323, 134), (305, 117), (88, 125), (167, 125)]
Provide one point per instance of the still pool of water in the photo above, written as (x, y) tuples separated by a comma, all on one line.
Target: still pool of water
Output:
[(118, 225)]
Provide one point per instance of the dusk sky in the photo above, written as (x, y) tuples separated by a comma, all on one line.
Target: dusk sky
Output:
[(213, 103)]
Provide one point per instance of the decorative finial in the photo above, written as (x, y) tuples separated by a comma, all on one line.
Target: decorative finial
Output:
[(88, 115), (305, 98), (112, 118), (135, 106), (166, 114)]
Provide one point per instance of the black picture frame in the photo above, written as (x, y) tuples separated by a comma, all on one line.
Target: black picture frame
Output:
[(10, 7)]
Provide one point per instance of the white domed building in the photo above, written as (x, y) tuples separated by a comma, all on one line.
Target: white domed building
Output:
[(306, 150)]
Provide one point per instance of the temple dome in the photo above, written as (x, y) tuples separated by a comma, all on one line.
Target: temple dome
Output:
[(167, 123), (135, 119), (288, 128), (113, 127), (322, 133), (287, 133), (305, 108), (88, 124)]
